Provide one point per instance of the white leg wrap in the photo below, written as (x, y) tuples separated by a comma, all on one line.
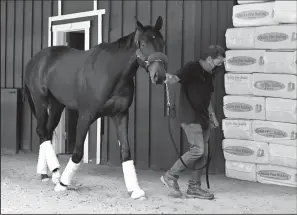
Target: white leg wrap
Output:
[(50, 155), (69, 172), (41, 163), (131, 180), (56, 177)]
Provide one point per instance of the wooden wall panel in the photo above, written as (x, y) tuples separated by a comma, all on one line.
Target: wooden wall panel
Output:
[(3, 41), (10, 44), (158, 125), (142, 98), (129, 11)]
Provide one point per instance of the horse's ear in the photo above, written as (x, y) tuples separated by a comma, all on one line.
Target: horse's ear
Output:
[(159, 23), (139, 26)]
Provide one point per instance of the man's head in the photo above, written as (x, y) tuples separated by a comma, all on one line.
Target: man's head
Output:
[(215, 56)]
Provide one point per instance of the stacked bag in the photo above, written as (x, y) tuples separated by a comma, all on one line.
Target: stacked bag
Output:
[(260, 107)]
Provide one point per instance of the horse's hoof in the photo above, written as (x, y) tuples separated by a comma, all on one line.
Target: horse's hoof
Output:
[(44, 178), (56, 177), (59, 187), (138, 194)]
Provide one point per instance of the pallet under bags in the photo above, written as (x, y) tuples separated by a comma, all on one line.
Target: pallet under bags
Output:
[(244, 107), (281, 110), (238, 84), (240, 170), (245, 151), (274, 132), (272, 85), (253, 14), (263, 37), (280, 175), (237, 129)]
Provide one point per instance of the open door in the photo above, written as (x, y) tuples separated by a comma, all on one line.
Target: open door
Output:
[(74, 40)]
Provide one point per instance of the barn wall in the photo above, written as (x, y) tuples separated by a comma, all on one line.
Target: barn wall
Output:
[(189, 28), (24, 26)]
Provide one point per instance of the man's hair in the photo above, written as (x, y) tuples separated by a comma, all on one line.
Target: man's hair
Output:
[(214, 51)]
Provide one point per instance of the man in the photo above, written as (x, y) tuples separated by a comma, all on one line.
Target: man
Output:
[(196, 117)]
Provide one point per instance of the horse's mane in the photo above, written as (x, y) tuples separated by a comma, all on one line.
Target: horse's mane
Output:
[(125, 42)]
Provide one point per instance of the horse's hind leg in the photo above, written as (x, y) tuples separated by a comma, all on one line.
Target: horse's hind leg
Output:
[(55, 110), (47, 153), (130, 176), (85, 119)]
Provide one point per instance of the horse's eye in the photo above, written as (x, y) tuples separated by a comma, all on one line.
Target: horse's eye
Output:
[(142, 44), (154, 37)]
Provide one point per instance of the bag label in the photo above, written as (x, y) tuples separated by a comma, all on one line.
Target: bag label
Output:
[(241, 61), (252, 14), (239, 150), (238, 107), (274, 174), (272, 37), (270, 132), (269, 85)]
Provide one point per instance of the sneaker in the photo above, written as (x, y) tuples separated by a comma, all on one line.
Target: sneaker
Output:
[(195, 191), (172, 186)]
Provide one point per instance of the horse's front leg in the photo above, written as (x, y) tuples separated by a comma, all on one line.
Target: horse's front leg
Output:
[(83, 123), (130, 176)]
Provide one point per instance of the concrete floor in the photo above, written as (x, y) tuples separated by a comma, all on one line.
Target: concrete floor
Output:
[(101, 189)]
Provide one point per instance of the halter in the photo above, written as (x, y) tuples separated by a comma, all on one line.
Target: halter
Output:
[(146, 61)]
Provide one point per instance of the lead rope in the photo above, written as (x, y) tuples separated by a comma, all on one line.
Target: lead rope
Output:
[(168, 106)]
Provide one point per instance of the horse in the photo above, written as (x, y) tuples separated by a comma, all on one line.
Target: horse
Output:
[(95, 83)]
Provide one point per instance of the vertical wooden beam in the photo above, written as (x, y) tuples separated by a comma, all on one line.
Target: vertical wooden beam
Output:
[(3, 42)]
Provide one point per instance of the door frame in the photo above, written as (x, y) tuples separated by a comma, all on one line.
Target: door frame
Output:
[(57, 35)]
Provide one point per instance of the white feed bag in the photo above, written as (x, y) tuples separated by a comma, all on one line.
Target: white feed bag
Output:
[(245, 151), (238, 84), (240, 38), (257, 14), (285, 11), (282, 155), (274, 85), (281, 110), (237, 129), (244, 61), (240, 170), (244, 107), (279, 175), (250, 1), (276, 37), (282, 62), (275, 132)]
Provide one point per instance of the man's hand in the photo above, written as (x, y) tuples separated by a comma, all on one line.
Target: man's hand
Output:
[(212, 117), (171, 79), (213, 121)]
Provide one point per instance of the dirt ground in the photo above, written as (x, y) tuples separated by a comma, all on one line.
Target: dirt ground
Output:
[(101, 189)]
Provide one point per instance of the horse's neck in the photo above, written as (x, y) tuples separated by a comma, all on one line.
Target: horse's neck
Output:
[(131, 67)]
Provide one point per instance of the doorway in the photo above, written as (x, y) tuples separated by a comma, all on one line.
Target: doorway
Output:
[(76, 35), (74, 40)]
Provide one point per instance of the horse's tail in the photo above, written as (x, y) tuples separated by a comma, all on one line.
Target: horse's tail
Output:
[(26, 94)]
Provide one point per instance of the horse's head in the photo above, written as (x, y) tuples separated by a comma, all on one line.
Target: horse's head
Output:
[(149, 42)]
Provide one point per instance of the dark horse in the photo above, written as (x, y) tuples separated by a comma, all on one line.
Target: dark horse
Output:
[(96, 83)]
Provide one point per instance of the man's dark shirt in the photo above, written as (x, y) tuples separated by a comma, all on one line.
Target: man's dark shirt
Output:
[(195, 95)]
